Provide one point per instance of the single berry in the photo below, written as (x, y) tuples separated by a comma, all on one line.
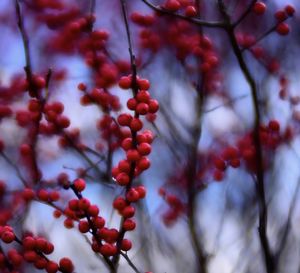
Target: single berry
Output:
[(190, 11), (283, 29), (259, 8), (126, 245), (79, 184)]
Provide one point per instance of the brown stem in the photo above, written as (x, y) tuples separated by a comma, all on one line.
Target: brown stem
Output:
[(260, 187), (135, 90), (191, 175)]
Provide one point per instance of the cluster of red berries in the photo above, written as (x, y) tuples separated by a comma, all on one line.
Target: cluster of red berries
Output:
[(175, 207), (11, 261), (138, 144), (187, 6), (283, 28), (34, 250), (231, 156), (104, 240), (142, 20), (100, 97)]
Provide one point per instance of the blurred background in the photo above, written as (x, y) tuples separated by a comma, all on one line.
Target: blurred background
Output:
[(193, 209)]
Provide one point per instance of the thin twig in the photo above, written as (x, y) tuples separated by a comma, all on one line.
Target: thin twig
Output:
[(245, 13), (189, 19), (229, 102), (11, 163), (130, 262)]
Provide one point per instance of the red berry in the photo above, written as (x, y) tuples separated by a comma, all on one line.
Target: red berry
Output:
[(220, 164), (84, 204), (79, 184), (283, 29), (141, 190), (129, 224), (33, 106), (172, 5), (143, 84), (68, 223), (280, 15), (146, 136), (126, 245), (93, 210), (8, 237), (125, 82), (108, 250), (30, 256), (143, 96), (57, 107), (98, 222), (142, 108), (28, 194), (81, 86), (136, 124), (124, 166), (153, 106), (259, 8), (125, 119), (25, 149), (290, 10), (63, 121), (54, 196), (143, 163), (132, 155), (144, 148), (131, 104), (39, 82), (73, 204), (29, 243), (132, 195), (218, 175), (122, 179), (52, 267), (235, 162), (119, 203), (41, 244), (190, 11), (128, 212), (127, 143), (83, 226), (274, 125), (111, 236), (40, 263), (43, 195), (49, 248), (65, 264)]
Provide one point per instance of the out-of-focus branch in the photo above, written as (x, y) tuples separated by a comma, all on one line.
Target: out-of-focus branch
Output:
[(245, 13), (260, 187), (286, 228), (15, 167)]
